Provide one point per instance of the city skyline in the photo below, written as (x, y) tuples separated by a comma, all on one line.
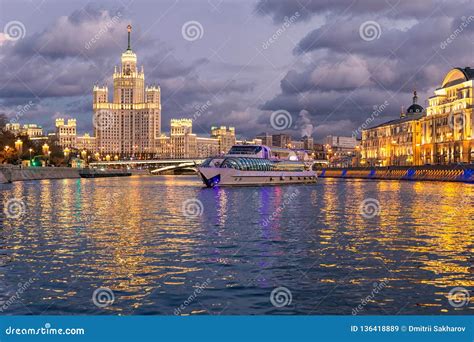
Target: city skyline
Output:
[(71, 49)]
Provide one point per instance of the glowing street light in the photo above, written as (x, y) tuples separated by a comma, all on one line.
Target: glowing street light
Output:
[(45, 149), (19, 146)]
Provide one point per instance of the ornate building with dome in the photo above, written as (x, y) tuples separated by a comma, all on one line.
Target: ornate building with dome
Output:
[(443, 134), (447, 129), (396, 142)]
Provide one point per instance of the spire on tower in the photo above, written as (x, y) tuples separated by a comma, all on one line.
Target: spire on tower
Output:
[(415, 97), (129, 29)]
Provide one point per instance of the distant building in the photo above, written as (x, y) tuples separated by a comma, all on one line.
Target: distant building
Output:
[(183, 141), (225, 136), (340, 143), (66, 133), (131, 123), (207, 147), (308, 143), (86, 142), (13, 127), (396, 142), (33, 130), (281, 140), (266, 139), (296, 144)]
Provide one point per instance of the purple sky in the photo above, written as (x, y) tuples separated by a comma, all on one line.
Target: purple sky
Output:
[(321, 67)]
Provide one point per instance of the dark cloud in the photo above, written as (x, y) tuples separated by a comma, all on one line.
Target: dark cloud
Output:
[(346, 73), (279, 9)]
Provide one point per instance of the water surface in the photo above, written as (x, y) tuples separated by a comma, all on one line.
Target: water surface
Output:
[(132, 236)]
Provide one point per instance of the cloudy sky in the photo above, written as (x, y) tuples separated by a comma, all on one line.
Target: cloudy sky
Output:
[(327, 63)]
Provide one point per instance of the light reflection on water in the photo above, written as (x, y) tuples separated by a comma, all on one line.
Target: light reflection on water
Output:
[(130, 235)]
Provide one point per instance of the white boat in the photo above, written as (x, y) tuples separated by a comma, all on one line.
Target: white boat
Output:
[(256, 165)]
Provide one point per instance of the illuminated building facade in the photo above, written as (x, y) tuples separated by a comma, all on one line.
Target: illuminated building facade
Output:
[(447, 129), (130, 125), (86, 142), (395, 142), (183, 141), (441, 135), (66, 133), (225, 137)]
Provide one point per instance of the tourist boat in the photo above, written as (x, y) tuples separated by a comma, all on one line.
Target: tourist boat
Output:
[(256, 165)]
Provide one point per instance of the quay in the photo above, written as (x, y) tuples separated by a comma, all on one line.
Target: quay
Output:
[(98, 173), (446, 173), (11, 173)]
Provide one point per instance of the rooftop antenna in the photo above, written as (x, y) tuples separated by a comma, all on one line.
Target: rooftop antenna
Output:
[(129, 29)]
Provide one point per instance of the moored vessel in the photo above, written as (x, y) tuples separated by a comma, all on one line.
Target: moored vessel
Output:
[(256, 165)]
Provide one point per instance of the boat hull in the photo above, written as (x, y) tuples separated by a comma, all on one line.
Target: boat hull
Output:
[(212, 177)]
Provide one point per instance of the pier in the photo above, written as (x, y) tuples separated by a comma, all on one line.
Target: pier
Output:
[(446, 173)]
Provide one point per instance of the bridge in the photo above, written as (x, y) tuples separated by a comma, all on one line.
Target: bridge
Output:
[(156, 166)]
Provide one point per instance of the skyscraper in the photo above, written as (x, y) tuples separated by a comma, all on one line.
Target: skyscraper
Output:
[(131, 124)]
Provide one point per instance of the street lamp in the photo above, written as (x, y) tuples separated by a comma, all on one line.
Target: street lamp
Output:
[(45, 149), (67, 151), (30, 150), (19, 146)]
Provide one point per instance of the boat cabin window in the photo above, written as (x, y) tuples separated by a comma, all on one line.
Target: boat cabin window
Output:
[(245, 149)]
